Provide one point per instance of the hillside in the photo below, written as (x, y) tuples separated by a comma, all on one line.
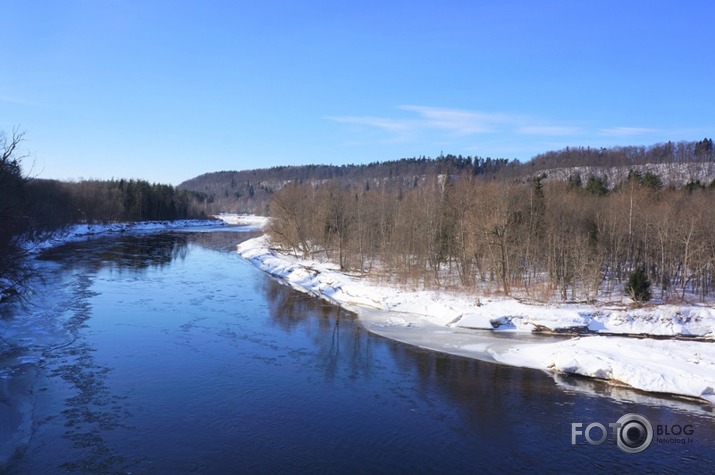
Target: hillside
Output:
[(675, 164), (248, 191)]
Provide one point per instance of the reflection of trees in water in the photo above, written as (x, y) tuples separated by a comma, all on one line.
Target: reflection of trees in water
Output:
[(126, 252), (344, 347), (513, 407), (487, 394), (499, 411), (491, 396), (137, 252)]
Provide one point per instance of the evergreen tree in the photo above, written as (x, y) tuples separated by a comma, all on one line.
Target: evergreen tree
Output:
[(596, 186), (638, 285), (651, 180)]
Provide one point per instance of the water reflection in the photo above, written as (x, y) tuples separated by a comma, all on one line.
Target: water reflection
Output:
[(191, 360), (344, 347), (351, 345), (485, 410), (133, 252)]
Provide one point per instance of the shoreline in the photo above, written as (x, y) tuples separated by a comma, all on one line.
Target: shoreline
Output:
[(662, 349), (84, 232), (80, 232)]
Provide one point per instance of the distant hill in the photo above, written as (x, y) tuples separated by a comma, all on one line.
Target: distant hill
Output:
[(675, 164), (248, 191)]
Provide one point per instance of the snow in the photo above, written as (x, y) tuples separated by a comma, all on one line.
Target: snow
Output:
[(667, 366), (254, 221), (503, 330), (82, 232)]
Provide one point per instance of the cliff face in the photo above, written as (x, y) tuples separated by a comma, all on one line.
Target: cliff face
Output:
[(671, 174)]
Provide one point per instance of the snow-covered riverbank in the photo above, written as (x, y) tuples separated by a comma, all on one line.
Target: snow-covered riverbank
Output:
[(499, 330), (82, 232)]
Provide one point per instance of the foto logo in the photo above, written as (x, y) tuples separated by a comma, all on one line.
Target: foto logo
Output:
[(633, 433)]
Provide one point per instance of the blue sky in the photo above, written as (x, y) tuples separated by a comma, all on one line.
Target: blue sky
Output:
[(167, 90)]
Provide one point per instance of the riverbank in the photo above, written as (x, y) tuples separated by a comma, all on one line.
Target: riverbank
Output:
[(82, 232), (663, 358)]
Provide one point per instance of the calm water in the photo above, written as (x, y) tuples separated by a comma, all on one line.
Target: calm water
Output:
[(169, 354)]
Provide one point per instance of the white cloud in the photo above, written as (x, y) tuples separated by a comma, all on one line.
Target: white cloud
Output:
[(458, 122), (443, 123), (462, 122), (391, 125)]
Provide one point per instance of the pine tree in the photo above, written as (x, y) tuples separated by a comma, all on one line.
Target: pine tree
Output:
[(638, 285)]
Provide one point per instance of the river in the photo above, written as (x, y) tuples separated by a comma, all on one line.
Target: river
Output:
[(167, 353)]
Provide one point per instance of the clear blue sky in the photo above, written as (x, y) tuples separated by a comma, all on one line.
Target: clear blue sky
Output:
[(167, 90)]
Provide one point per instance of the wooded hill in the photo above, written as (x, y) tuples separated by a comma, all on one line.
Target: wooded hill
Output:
[(575, 224), (673, 164), (249, 191)]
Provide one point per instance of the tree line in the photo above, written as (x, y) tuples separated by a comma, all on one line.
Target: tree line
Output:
[(249, 191), (670, 152), (53, 204), (534, 239), (30, 208)]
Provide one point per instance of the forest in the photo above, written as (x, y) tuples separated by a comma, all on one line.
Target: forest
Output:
[(30, 207), (249, 191), (495, 224), (536, 240)]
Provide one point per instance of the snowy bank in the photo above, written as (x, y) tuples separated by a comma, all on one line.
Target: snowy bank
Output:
[(83, 232), (464, 325), (254, 221)]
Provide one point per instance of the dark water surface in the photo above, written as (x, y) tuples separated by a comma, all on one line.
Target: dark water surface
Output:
[(169, 354)]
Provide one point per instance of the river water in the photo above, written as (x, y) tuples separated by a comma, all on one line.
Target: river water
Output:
[(167, 353)]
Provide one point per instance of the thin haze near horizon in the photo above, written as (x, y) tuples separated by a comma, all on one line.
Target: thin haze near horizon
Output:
[(165, 90)]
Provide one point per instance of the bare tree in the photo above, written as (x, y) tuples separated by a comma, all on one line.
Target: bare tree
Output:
[(14, 221), (293, 209)]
